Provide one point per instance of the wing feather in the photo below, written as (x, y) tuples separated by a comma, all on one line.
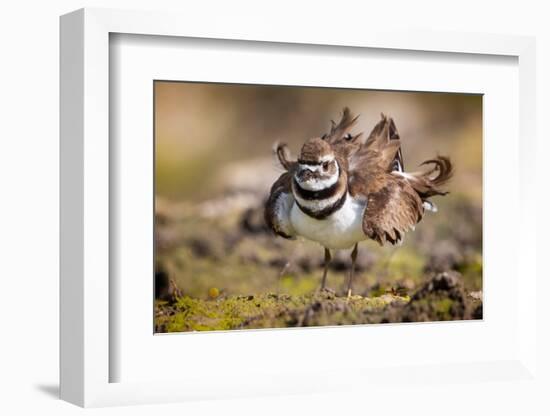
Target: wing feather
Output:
[(340, 137), (393, 205), (278, 205), (381, 151), (393, 208)]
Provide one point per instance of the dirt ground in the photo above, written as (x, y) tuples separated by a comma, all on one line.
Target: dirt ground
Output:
[(218, 268)]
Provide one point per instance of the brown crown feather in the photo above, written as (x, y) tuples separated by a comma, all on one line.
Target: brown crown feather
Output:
[(313, 150)]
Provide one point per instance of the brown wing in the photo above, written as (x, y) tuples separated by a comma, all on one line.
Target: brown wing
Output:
[(340, 137), (278, 206), (395, 200), (381, 151), (393, 206)]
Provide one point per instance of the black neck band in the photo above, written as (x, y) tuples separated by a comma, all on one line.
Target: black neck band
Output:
[(319, 215), (320, 194)]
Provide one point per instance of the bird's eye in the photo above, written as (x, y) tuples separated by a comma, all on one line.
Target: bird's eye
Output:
[(348, 136), (325, 166)]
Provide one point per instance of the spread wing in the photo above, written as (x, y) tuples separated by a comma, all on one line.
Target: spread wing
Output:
[(393, 206), (376, 175), (395, 199), (280, 200), (381, 151)]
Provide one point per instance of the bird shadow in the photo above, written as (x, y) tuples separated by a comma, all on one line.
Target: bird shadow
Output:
[(51, 390)]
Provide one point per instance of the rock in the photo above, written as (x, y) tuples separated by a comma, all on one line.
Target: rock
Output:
[(165, 288), (166, 238), (445, 255), (442, 298), (211, 246), (476, 295), (200, 247), (478, 312)]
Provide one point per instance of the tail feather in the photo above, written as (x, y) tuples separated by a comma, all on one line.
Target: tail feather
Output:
[(283, 154), (444, 167), (428, 185)]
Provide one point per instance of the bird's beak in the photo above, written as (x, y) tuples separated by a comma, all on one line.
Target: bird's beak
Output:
[(305, 175)]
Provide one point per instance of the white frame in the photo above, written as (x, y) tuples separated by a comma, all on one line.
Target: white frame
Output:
[(85, 192)]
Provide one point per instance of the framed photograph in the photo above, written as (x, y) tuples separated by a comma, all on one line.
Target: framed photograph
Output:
[(246, 240), (288, 210)]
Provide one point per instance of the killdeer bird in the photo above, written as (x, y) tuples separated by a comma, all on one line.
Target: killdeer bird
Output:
[(343, 189)]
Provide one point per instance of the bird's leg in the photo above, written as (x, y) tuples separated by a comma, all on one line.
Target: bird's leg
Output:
[(327, 261), (352, 270)]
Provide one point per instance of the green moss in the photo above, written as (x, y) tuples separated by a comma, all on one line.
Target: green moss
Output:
[(299, 285), (474, 264), (268, 311), (443, 306), (472, 271), (406, 263), (394, 267), (377, 291)]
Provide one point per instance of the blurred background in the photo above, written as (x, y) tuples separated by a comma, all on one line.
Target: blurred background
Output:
[(215, 166)]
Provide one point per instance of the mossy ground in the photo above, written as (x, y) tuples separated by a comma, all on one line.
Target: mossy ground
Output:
[(270, 311), (441, 298), (226, 271)]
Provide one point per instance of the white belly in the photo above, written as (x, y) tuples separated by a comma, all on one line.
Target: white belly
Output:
[(340, 230)]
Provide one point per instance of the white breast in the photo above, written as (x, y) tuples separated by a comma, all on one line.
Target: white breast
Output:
[(340, 230)]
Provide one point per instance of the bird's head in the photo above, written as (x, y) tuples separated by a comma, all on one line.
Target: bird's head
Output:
[(317, 167)]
